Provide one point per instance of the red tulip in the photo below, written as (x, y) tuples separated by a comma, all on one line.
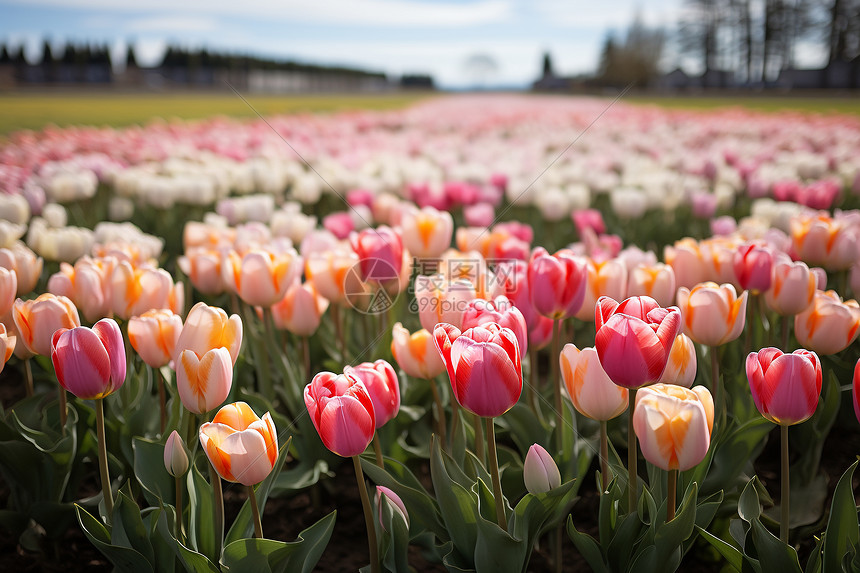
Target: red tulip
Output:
[(856, 390), (383, 386), (501, 311), (753, 267), (556, 283), (342, 412), (785, 387), (90, 363), (634, 339), (483, 365)]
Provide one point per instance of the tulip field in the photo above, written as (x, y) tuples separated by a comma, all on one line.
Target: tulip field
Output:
[(478, 333)]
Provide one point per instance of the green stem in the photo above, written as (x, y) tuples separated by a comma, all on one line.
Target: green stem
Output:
[(218, 497), (104, 475), (716, 387), (306, 356), (670, 497), (64, 407), (368, 516), (533, 378), (479, 438), (786, 331), (455, 419), (784, 486), (494, 469), (162, 398), (28, 375), (178, 525), (631, 454), (556, 381), (604, 457), (440, 411), (338, 331), (255, 512), (377, 449)]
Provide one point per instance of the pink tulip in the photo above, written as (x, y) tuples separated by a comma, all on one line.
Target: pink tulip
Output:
[(753, 267), (202, 266), (556, 283), (855, 390), (382, 385), (674, 425), (828, 325), (686, 260), (591, 391), (383, 494), (634, 339), (242, 447), (90, 363), (136, 290), (25, 263), (479, 215), (588, 219), (540, 472), (339, 224), (87, 284), (204, 381), (792, 289), (416, 353), (341, 411), (483, 365), (501, 311), (785, 387), (822, 240), (713, 314), (380, 252)]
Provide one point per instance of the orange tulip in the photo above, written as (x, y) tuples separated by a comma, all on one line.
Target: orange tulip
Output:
[(25, 263), (590, 389), (38, 319), (681, 367), (687, 261), (134, 290), (674, 425), (416, 353), (203, 382), (208, 327), (301, 309), (8, 288), (712, 314), (822, 240), (154, 334), (242, 447), (656, 281), (87, 284), (7, 345), (260, 277), (203, 268), (829, 325), (335, 274), (427, 232), (605, 278)]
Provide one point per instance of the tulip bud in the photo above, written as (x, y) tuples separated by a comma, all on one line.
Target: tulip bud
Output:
[(394, 502), (175, 457), (540, 473)]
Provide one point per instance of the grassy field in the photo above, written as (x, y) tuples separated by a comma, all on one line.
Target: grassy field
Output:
[(20, 111), (846, 105), (34, 111)]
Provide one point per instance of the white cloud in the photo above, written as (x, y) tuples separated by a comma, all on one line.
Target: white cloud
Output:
[(615, 14), (407, 13), (172, 24)]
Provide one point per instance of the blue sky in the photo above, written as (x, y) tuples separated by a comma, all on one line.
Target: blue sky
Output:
[(394, 36)]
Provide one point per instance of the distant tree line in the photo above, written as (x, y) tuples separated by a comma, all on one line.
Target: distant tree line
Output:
[(751, 41)]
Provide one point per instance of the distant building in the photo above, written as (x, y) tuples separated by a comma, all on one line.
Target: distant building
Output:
[(549, 81), (839, 74)]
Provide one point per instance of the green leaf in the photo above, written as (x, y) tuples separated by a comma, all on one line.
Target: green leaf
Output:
[(671, 535), (588, 548), (774, 555), (457, 504), (256, 555), (128, 529), (201, 514), (749, 508), (191, 561), (157, 484), (243, 525), (843, 531), (125, 559), (731, 553), (312, 543)]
